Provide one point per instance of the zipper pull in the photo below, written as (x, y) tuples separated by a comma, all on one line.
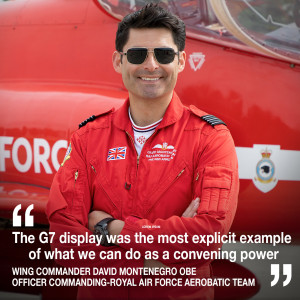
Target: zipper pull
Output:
[(138, 160), (180, 173), (93, 168), (197, 177), (76, 175)]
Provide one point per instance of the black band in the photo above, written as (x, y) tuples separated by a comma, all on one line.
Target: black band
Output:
[(102, 230)]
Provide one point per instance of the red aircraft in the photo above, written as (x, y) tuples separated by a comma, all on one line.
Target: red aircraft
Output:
[(243, 66)]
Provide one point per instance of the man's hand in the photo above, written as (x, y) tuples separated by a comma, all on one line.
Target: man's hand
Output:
[(151, 263), (191, 210), (115, 227)]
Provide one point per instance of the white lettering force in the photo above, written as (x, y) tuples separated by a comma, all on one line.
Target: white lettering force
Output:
[(38, 154)]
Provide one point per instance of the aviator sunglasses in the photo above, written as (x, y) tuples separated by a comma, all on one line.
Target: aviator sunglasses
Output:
[(137, 56)]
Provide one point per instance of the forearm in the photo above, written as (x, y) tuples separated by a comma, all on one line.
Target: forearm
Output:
[(214, 215), (115, 227), (62, 224)]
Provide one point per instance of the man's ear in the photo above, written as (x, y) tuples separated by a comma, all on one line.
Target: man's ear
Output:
[(182, 58), (117, 61)]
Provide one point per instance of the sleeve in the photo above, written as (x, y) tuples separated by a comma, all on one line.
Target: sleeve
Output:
[(67, 210), (217, 184)]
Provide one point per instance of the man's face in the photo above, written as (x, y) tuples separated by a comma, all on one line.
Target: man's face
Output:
[(149, 80)]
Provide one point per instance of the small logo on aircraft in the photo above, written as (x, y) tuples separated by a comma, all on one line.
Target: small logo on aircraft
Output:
[(164, 146), (196, 60), (265, 171)]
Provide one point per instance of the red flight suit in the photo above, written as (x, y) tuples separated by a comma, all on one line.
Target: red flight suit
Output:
[(185, 158)]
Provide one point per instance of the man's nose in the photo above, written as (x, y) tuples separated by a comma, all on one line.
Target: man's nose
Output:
[(150, 63)]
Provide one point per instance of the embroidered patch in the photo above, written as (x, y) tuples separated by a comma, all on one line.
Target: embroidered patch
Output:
[(162, 152), (116, 153), (164, 146), (68, 155)]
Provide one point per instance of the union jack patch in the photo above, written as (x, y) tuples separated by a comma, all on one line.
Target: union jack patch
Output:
[(116, 153)]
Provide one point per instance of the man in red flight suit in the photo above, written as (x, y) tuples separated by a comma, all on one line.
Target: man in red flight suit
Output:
[(139, 168)]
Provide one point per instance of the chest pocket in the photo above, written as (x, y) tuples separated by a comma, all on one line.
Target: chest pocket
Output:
[(172, 195), (104, 196)]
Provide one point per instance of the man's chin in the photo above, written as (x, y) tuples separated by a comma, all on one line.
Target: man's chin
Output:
[(152, 93)]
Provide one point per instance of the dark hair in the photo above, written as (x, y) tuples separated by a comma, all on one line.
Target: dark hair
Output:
[(151, 16)]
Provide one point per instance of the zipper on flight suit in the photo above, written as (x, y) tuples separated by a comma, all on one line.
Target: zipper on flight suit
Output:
[(94, 170), (180, 173), (128, 185), (166, 188), (137, 155), (75, 179), (132, 141)]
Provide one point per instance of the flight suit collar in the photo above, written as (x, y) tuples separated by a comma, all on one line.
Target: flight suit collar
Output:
[(172, 114)]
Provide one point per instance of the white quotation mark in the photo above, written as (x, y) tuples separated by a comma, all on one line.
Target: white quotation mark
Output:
[(287, 271), (17, 220)]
